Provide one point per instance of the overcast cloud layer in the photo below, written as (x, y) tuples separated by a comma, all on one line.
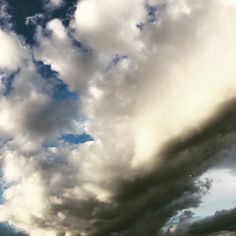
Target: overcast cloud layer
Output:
[(150, 83)]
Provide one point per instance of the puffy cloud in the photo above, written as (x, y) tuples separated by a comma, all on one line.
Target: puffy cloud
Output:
[(73, 64), (157, 96), (36, 115), (12, 53), (94, 21)]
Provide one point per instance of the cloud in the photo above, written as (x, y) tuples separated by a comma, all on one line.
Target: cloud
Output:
[(34, 20), (58, 48), (157, 116), (54, 4), (221, 223), (94, 23), (12, 53), (36, 115)]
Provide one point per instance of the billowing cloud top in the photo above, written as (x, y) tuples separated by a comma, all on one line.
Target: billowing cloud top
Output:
[(111, 111)]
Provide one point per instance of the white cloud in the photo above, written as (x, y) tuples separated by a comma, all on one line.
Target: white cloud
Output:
[(12, 53), (110, 25), (177, 72), (74, 67), (53, 4)]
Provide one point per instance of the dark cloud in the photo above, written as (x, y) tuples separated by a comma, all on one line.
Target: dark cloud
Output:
[(220, 223), (170, 187), (50, 118), (143, 205)]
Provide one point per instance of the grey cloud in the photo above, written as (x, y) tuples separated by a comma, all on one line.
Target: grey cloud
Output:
[(160, 193), (221, 223), (94, 189), (144, 205), (50, 118)]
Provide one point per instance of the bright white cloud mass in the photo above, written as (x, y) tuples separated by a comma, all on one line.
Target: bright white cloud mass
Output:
[(152, 83)]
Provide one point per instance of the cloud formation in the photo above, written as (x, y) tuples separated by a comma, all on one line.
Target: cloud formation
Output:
[(222, 223), (155, 84)]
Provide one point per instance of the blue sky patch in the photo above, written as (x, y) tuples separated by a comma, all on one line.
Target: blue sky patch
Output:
[(21, 10), (116, 59), (59, 90), (7, 80), (7, 230), (81, 46), (151, 12), (76, 138), (5, 18)]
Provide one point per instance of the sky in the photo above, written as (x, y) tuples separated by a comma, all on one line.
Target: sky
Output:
[(117, 118)]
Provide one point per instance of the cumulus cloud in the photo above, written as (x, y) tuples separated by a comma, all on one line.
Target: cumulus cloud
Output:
[(35, 114), (12, 52), (58, 48), (94, 22), (156, 91)]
